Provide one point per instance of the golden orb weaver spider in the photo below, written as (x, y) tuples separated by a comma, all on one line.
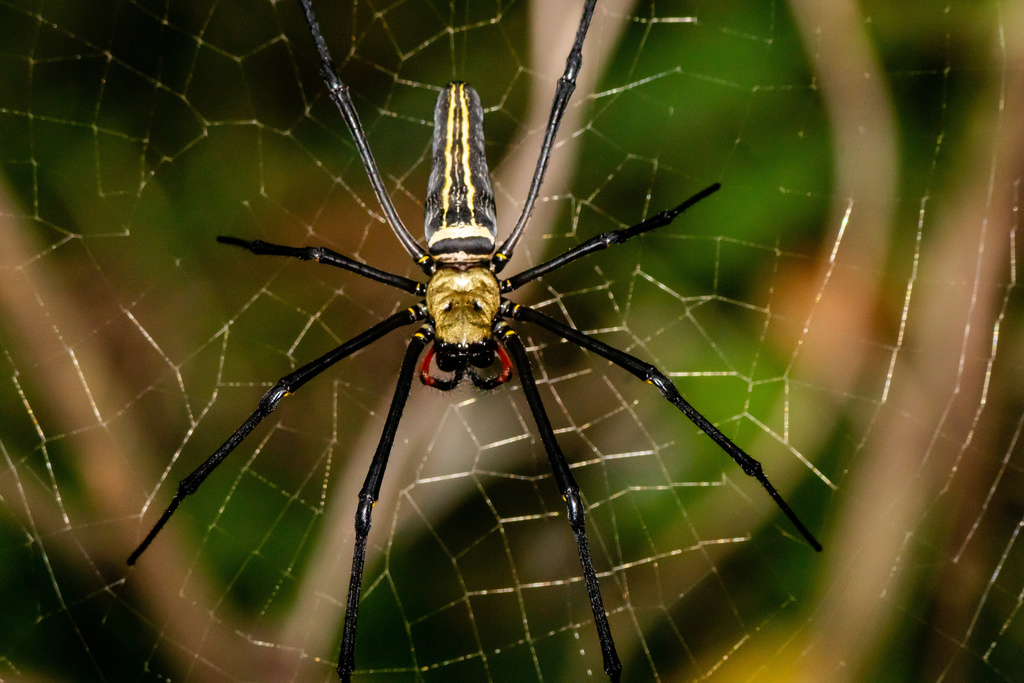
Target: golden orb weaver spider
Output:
[(463, 312)]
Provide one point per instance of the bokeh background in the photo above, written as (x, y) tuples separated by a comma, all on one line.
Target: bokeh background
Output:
[(845, 308)]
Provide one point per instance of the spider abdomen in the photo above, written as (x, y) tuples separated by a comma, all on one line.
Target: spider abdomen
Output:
[(459, 221)]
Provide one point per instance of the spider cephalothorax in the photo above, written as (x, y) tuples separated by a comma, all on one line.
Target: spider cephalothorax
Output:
[(463, 307), (463, 316)]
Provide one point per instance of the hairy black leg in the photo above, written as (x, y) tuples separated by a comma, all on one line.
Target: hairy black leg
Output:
[(564, 90), (329, 257), (341, 98), (652, 375), (285, 386), (369, 493), (570, 493), (604, 240)]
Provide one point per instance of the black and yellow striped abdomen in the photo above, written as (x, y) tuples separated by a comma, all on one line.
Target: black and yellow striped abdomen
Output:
[(460, 222)]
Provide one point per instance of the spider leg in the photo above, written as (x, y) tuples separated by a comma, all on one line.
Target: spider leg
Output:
[(564, 90), (652, 375), (604, 240), (285, 386), (496, 380), (331, 258), (570, 493), (369, 493), (438, 383), (343, 100)]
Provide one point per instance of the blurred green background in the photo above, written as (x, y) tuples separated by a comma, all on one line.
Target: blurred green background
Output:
[(845, 309)]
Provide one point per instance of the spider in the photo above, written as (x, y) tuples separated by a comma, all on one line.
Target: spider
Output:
[(463, 314)]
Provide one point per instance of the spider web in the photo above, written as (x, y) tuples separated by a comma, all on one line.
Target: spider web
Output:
[(845, 308)]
